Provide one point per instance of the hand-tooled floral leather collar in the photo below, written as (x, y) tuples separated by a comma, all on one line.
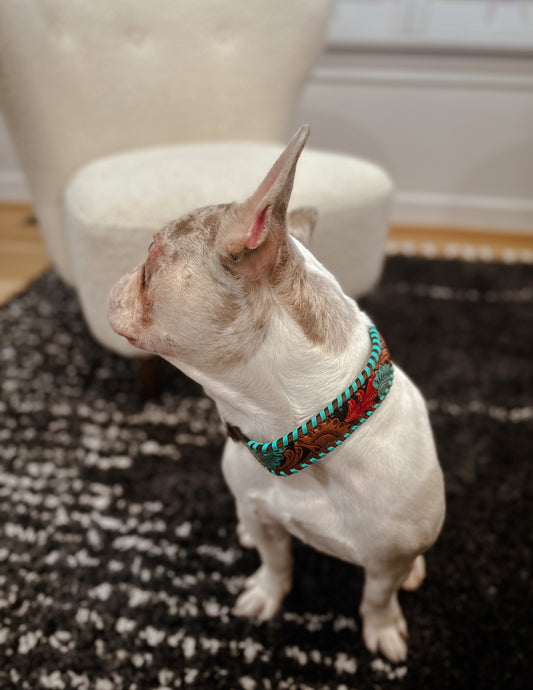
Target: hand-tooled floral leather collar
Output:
[(326, 431)]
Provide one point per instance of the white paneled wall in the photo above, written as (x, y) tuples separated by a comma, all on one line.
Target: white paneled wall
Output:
[(454, 132), (439, 92)]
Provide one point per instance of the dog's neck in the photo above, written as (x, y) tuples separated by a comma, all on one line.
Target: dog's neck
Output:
[(293, 374)]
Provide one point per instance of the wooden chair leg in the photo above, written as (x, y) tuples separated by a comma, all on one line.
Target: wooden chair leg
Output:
[(150, 376)]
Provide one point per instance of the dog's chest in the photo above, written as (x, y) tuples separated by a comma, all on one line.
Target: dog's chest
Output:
[(311, 515), (330, 512)]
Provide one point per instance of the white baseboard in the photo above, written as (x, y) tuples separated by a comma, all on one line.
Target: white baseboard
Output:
[(13, 187), (487, 213)]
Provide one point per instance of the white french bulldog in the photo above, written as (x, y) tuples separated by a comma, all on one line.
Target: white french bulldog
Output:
[(230, 295)]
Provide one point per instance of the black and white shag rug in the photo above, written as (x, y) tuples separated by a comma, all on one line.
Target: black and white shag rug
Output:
[(119, 563)]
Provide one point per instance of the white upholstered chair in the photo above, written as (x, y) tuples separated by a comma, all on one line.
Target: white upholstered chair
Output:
[(127, 114)]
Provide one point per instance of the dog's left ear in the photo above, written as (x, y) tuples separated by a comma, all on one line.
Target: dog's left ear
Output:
[(254, 239), (302, 222)]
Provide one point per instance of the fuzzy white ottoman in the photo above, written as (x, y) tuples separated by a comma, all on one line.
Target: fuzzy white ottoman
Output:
[(114, 205)]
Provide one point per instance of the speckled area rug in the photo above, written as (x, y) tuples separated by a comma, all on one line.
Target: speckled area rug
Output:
[(119, 563)]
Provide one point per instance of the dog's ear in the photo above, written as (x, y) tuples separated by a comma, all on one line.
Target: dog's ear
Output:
[(302, 222), (260, 226)]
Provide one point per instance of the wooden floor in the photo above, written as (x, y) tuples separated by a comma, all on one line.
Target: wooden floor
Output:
[(461, 243), (23, 255)]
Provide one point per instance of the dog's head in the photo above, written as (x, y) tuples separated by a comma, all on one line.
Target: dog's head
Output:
[(201, 297)]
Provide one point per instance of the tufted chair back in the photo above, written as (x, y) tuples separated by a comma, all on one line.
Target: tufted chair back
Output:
[(82, 79)]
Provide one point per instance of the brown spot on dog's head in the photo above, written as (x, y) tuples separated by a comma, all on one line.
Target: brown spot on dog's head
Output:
[(202, 225), (318, 307)]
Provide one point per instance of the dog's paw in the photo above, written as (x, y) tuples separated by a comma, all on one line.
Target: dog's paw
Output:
[(263, 594), (388, 639), (244, 537), (417, 574)]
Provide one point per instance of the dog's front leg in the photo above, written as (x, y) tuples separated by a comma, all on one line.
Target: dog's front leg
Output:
[(265, 590), (384, 627)]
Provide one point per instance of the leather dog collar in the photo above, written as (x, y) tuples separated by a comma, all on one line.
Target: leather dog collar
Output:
[(324, 432)]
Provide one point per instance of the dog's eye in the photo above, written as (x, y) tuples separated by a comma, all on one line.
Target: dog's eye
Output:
[(151, 247)]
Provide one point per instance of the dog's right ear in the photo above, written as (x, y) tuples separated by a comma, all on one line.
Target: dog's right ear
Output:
[(259, 225)]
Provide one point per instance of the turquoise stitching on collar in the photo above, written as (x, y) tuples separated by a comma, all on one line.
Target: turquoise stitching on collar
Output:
[(328, 429)]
